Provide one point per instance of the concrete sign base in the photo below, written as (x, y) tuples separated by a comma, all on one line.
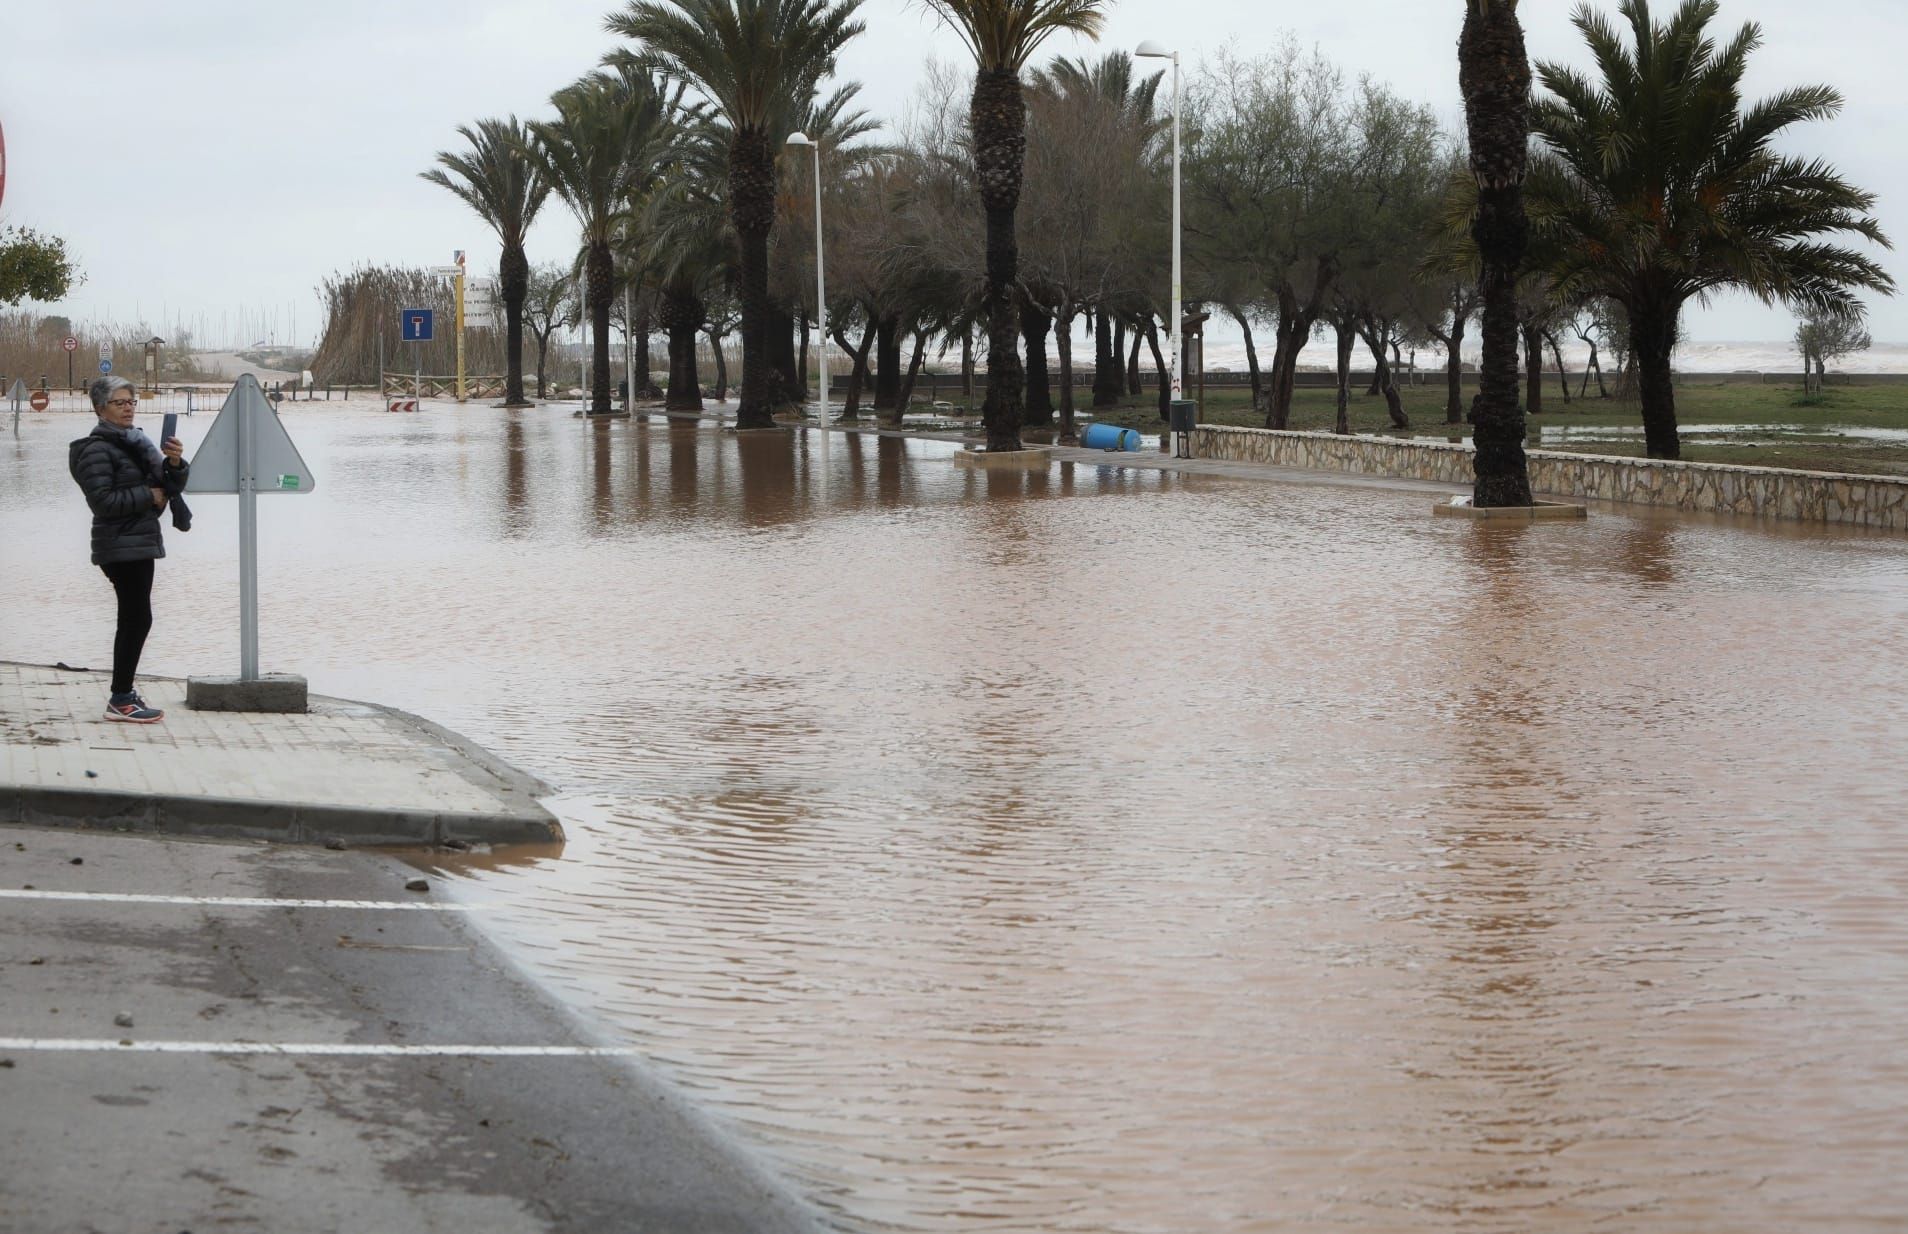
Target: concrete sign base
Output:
[(269, 692)]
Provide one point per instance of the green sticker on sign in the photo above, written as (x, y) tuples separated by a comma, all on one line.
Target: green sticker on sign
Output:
[(288, 481)]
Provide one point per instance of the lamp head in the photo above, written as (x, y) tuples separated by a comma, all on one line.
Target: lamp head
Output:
[(799, 139), (1151, 49)]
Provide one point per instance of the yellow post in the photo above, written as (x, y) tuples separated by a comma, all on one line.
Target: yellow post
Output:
[(460, 327)]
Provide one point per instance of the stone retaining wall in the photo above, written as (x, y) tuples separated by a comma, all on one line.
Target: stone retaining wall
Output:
[(1814, 496)]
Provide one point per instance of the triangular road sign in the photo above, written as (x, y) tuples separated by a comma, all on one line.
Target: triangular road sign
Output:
[(276, 466), (19, 392)]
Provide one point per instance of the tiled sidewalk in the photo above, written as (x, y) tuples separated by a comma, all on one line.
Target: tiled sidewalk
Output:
[(344, 770)]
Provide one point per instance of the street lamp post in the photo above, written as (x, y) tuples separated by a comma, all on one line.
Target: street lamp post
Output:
[(821, 291), (1153, 50)]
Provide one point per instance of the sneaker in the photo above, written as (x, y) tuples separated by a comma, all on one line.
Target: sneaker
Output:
[(132, 709)]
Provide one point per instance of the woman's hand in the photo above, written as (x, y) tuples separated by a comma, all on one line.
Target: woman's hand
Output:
[(158, 499), (174, 450)]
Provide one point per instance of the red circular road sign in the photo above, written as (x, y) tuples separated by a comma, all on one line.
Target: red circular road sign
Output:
[(70, 343), (38, 401)]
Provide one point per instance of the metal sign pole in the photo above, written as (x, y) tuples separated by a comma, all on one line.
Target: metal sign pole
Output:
[(248, 545), (458, 293)]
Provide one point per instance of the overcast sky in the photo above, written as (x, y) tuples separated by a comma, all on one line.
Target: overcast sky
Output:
[(207, 157)]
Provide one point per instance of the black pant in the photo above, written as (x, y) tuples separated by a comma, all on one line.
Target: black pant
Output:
[(132, 583)]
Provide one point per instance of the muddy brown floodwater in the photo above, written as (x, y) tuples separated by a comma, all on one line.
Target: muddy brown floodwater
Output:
[(1111, 851)]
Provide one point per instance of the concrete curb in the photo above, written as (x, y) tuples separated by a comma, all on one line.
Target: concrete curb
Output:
[(524, 821), (286, 822)]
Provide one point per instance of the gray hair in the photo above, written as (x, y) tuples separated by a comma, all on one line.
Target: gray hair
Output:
[(102, 389)]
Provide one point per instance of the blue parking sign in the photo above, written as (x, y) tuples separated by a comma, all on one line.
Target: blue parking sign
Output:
[(417, 325)]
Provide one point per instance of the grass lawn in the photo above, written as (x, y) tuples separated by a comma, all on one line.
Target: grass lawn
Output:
[(1772, 425)]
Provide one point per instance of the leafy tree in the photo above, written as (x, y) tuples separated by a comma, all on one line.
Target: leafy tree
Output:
[(548, 306), (1494, 75), (757, 62), (1087, 213), (1671, 190), (691, 250), (1825, 336), (34, 267), (1266, 160), (1388, 194), (1003, 35), (499, 180)]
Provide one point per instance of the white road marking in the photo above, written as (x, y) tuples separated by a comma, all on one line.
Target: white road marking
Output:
[(105, 897), (101, 1045)]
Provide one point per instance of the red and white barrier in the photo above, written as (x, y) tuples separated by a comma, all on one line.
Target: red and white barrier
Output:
[(401, 404)]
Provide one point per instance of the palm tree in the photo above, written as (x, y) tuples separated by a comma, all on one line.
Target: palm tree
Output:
[(757, 62), (1669, 189), (497, 179), (605, 137), (1494, 74), (1003, 35), (690, 249)]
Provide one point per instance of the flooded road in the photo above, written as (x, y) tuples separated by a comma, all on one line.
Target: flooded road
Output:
[(1114, 851)]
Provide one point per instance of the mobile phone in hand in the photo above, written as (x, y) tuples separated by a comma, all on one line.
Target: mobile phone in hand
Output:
[(169, 427)]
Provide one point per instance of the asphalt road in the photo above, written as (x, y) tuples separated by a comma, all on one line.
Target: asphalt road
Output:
[(199, 1036)]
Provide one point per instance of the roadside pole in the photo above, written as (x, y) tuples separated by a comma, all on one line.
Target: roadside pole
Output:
[(248, 544), (247, 439), (458, 285)]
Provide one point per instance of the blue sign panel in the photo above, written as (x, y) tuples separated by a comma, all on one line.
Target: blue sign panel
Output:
[(105, 366), (417, 325)]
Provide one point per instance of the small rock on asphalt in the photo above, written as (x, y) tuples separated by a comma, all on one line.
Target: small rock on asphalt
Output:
[(122, 1020), (417, 884)]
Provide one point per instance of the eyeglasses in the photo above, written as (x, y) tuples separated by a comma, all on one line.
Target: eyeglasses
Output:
[(122, 402)]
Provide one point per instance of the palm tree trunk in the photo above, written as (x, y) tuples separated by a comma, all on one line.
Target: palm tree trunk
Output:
[(682, 319), (887, 369), (1106, 362), (722, 366), (642, 350), (1494, 73), (1134, 387), (1347, 334), (1034, 326), (1063, 343), (785, 387), (752, 210), (998, 121), (600, 268), (513, 278), (1533, 370), (1653, 333)]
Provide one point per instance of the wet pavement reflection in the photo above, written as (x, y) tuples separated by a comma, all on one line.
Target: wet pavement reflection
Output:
[(1103, 850)]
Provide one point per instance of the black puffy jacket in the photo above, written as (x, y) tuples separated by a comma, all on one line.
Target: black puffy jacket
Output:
[(119, 487)]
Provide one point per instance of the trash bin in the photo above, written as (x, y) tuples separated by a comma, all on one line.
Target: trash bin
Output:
[(1184, 415), (1109, 437)]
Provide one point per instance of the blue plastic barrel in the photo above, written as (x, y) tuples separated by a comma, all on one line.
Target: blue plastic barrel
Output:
[(1109, 437)]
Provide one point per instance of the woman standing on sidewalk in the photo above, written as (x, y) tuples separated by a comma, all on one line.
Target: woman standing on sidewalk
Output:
[(128, 481)]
